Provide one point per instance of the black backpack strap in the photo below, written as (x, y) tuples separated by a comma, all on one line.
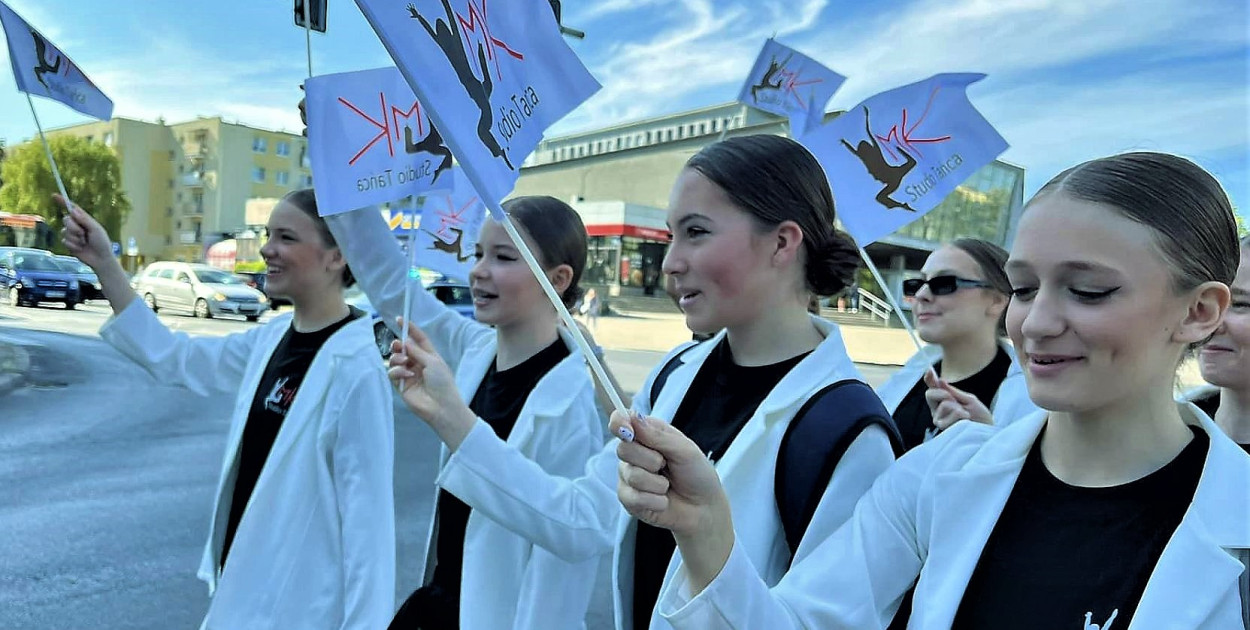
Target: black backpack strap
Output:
[(814, 442), (672, 364)]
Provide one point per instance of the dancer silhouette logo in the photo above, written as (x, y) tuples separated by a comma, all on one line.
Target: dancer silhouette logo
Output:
[(42, 66), (448, 32), (450, 224), (934, 140), (786, 82)]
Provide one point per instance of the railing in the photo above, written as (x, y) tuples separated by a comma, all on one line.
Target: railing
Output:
[(878, 307), (194, 179)]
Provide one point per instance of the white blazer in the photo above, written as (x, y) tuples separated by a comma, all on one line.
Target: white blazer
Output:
[(937, 508), (1011, 401), (316, 546), (582, 517), (506, 581)]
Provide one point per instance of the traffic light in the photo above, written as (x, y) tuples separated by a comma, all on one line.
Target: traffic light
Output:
[(318, 9)]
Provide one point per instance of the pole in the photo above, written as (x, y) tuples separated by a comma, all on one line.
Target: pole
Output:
[(308, 34), (412, 277), (56, 174), (563, 311), (889, 295)]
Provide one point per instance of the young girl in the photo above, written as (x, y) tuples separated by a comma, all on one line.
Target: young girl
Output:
[(523, 383), (1114, 508), (1225, 362), (303, 527), (958, 307), (753, 236)]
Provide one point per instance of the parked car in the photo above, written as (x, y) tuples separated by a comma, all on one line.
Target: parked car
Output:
[(88, 282), (31, 276), (198, 289), (453, 294), (257, 280)]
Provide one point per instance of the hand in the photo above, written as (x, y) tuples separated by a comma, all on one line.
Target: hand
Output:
[(84, 237), (949, 404), (666, 481), (428, 387)]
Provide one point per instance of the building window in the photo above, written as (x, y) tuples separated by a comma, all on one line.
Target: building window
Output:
[(178, 197), (171, 184), (169, 211), (180, 168), (259, 145), (169, 240), (283, 148), (307, 181), (258, 174), (282, 177)]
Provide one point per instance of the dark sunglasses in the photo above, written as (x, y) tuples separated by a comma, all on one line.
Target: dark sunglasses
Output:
[(941, 285)]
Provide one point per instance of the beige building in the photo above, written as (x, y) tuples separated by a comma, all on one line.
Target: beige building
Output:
[(189, 183)]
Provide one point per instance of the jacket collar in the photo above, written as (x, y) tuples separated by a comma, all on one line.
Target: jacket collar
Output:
[(971, 499)]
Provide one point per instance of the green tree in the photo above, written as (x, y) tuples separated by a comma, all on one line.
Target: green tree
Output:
[(92, 176)]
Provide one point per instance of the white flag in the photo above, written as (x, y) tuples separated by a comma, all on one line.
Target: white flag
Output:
[(41, 69), (788, 83), (449, 227), (895, 156), (494, 75), (370, 141)]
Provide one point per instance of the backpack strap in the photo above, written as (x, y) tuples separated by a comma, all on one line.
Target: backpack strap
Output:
[(671, 365), (814, 442)]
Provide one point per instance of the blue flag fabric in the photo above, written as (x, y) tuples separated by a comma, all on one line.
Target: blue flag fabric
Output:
[(788, 83), (41, 69)]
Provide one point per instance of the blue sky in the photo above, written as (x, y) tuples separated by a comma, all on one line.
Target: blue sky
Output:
[(1068, 79)]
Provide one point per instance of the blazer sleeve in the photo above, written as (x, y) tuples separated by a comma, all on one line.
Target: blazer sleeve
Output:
[(574, 519), (381, 269), (363, 471), (204, 365), (852, 578)]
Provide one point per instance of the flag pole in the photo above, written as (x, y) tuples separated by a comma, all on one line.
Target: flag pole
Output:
[(889, 296), (587, 351), (56, 174), (413, 274)]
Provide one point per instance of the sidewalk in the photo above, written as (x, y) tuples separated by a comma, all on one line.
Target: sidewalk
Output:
[(661, 332)]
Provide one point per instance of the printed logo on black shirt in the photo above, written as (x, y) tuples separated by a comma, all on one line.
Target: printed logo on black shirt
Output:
[(279, 400), (1089, 617)]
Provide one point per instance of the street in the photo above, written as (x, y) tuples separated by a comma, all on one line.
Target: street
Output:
[(109, 478)]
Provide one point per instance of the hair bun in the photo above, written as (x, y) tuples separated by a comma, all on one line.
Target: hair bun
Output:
[(836, 265)]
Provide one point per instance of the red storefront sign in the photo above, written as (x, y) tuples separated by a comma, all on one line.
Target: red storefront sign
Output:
[(618, 229)]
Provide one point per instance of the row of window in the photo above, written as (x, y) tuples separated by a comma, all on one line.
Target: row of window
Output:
[(260, 144), (643, 138), (281, 178)]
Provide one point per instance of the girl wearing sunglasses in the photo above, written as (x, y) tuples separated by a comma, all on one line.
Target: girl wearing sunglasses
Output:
[(959, 307)]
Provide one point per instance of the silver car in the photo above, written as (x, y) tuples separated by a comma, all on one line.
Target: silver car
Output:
[(198, 289)]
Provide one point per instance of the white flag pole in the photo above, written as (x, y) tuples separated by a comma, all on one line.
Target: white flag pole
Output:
[(413, 275), (56, 174), (565, 315), (889, 295)]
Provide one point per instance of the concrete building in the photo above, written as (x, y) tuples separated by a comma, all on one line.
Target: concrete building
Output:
[(634, 166), (189, 183)]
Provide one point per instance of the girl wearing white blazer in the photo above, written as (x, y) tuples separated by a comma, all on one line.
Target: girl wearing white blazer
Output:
[(1225, 362), (752, 220), (1115, 508), (529, 389), (303, 530), (958, 305)]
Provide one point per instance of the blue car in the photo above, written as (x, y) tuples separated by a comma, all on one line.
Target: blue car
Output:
[(28, 277), (88, 283)]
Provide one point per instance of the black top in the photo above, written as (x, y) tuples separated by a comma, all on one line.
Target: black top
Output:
[(722, 397), (913, 416), (274, 395), (498, 402), (1061, 556)]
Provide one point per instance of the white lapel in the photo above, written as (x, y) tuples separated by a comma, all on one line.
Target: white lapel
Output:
[(1198, 569), (966, 506), (553, 394)]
